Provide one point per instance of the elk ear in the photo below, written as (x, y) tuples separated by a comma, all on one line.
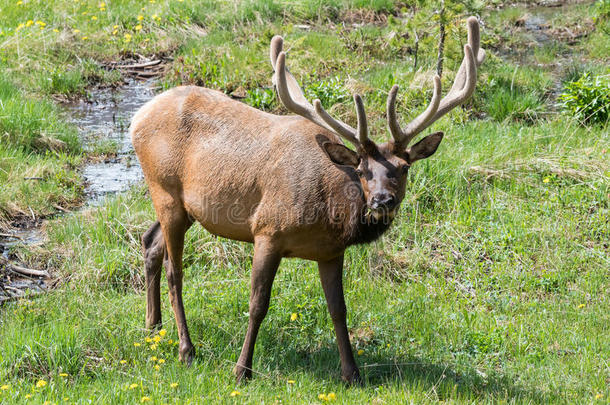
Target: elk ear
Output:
[(341, 154), (424, 148)]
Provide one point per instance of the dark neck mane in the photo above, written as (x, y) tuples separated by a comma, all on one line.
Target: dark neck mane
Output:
[(368, 229)]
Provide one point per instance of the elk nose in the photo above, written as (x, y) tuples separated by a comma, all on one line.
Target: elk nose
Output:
[(383, 200)]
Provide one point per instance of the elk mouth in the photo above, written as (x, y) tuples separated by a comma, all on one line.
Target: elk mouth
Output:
[(381, 213)]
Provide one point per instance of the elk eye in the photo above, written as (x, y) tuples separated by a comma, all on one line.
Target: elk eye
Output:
[(404, 169), (359, 172)]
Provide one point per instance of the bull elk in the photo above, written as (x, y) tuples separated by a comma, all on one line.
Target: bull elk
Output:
[(288, 184)]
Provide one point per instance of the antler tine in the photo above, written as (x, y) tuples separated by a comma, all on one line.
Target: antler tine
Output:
[(343, 129), (403, 137), (294, 100), (277, 43), (466, 78), (474, 40)]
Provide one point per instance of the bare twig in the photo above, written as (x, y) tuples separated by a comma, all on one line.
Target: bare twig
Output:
[(441, 40)]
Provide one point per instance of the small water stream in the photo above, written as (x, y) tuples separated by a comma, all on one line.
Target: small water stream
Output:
[(103, 118)]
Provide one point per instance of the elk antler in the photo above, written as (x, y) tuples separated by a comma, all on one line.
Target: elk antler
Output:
[(461, 90), (291, 95)]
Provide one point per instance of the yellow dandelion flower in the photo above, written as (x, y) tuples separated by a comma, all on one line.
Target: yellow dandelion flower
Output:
[(161, 361), (153, 358), (114, 32), (293, 317), (28, 396), (322, 397), (66, 399), (145, 399), (157, 367), (581, 306), (102, 4), (5, 387), (133, 386), (93, 18), (123, 362), (360, 352), (154, 346), (115, 26), (20, 26), (29, 23), (331, 396), (55, 30), (19, 2), (170, 341), (173, 385), (75, 31), (148, 340), (140, 17), (234, 393), (290, 381), (85, 38), (40, 383), (138, 27), (599, 396), (162, 332), (84, 13), (157, 339), (136, 344), (63, 374), (41, 23), (102, 8), (546, 180)]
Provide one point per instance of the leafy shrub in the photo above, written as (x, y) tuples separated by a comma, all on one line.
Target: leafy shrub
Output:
[(330, 92), (588, 99), (263, 99)]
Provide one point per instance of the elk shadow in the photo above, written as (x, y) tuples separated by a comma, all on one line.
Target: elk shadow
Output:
[(441, 380)]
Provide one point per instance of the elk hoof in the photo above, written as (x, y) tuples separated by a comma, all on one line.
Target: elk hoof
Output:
[(352, 377), (187, 353), (153, 325), (242, 374)]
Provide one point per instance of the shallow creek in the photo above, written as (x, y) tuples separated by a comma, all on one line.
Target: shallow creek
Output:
[(101, 119)]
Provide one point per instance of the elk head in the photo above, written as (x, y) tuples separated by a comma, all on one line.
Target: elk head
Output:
[(382, 168)]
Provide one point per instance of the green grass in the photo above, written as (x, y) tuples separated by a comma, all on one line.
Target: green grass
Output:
[(491, 287), (38, 156)]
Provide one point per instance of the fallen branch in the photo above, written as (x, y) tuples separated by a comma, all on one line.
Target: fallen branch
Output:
[(140, 65), (24, 270)]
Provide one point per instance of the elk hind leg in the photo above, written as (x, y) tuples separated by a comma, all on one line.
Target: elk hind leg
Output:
[(153, 246)]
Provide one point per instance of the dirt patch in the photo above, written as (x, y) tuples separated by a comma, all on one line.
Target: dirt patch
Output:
[(360, 17)]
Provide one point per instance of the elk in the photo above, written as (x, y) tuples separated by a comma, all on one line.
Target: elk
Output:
[(288, 184)]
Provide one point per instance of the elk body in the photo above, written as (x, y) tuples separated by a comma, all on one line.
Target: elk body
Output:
[(285, 183)]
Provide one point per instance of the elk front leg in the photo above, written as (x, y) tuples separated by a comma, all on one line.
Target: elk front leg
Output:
[(264, 266), (153, 246), (331, 274)]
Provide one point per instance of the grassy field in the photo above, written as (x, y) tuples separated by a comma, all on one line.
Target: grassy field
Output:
[(491, 287)]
